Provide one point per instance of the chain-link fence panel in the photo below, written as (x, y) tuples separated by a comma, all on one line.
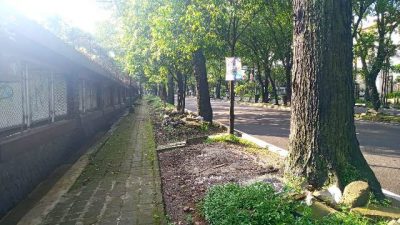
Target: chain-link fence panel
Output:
[(11, 94), (39, 94), (90, 99), (80, 95), (107, 96), (60, 95), (116, 95)]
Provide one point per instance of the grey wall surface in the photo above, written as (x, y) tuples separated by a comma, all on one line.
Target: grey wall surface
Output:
[(28, 158)]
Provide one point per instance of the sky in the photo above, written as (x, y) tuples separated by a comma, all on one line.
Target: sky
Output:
[(84, 14)]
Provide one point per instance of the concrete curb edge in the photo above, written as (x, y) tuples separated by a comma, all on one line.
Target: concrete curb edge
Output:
[(282, 152)]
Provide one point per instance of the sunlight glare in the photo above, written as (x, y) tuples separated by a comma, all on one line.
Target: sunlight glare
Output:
[(81, 13)]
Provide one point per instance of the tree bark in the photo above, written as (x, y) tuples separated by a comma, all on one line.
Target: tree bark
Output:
[(163, 92), (268, 76), (288, 76), (203, 95), (323, 147), (263, 84), (181, 92), (218, 88), (171, 91)]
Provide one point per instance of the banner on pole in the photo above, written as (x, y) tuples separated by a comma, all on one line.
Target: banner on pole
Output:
[(233, 69)]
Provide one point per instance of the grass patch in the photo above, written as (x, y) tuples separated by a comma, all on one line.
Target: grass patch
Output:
[(260, 204), (230, 138), (250, 147), (379, 117)]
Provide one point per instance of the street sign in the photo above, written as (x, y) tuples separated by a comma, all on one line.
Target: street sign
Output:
[(233, 69)]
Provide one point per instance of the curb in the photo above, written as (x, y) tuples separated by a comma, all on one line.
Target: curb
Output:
[(282, 152), (263, 105), (377, 122)]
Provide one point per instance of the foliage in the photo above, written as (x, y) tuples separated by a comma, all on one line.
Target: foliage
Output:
[(151, 39), (260, 204), (374, 44), (86, 44)]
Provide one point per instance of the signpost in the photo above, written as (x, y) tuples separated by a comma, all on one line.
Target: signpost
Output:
[(233, 72)]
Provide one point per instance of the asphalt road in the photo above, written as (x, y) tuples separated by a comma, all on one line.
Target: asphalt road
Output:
[(380, 143)]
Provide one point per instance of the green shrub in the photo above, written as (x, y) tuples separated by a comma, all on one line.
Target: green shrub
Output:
[(259, 204)]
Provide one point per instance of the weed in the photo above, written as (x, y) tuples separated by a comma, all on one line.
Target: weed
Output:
[(189, 219)]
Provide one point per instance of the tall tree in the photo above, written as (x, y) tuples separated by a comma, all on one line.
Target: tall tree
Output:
[(374, 43), (323, 146)]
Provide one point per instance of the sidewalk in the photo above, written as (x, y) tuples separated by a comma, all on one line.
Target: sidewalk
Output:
[(121, 184)]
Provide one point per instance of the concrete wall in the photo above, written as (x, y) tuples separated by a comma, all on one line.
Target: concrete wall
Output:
[(28, 158)]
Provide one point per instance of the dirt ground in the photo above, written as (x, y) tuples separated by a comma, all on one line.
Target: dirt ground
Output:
[(188, 172)]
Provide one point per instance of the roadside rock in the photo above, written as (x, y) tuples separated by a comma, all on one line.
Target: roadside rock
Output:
[(320, 210), (199, 118), (356, 194), (332, 195)]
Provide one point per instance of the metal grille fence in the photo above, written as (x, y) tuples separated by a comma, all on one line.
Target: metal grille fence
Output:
[(60, 96), (32, 94), (39, 95), (11, 93)]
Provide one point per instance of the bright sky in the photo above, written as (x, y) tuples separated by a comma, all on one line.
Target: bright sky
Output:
[(83, 14)]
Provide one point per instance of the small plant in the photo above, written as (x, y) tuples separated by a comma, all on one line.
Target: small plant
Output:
[(189, 219), (255, 204), (205, 126), (260, 204), (374, 201)]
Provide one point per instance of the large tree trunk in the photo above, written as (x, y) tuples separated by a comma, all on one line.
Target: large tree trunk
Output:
[(264, 92), (218, 88), (274, 91), (184, 91), (323, 143), (193, 88), (181, 92), (171, 91), (373, 95), (263, 84), (163, 92), (288, 76), (371, 92), (268, 76), (203, 95)]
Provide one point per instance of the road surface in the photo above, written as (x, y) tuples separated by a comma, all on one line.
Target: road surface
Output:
[(380, 143)]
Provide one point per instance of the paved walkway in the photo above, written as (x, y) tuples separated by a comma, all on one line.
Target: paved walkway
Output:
[(121, 184)]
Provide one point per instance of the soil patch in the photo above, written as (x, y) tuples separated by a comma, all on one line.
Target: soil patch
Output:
[(188, 172)]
